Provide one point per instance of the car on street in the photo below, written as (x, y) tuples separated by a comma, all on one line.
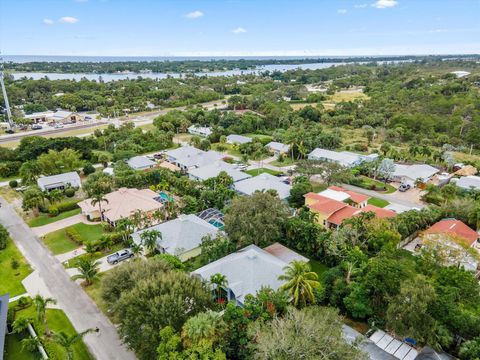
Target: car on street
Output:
[(119, 256), (404, 187), (37, 127), (10, 131), (58, 126)]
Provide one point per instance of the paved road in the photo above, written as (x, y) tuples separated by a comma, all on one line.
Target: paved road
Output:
[(80, 309), (388, 197)]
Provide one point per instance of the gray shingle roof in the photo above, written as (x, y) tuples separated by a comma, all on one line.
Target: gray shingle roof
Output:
[(71, 178), (239, 139), (261, 182), (277, 146), (212, 170), (140, 162), (181, 234)]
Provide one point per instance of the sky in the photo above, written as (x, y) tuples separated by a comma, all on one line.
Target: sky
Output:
[(239, 27)]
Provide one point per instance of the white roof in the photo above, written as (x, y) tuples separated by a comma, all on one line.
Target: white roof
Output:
[(261, 182), (199, 159), (183, 151), (344, 158), (238, 139), (335, 195), (39, 114), (460, 73), (212, 170), (65, 178), (181, 234), (414, 172), (200, 129), (277, 146), (246, 270), (140, 162), (467, 182), (61, 114)]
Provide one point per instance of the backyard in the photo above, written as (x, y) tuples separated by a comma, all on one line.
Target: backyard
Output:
[(59, 242), (14, 268)]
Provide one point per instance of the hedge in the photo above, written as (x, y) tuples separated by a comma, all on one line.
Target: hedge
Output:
[(56, 209), (73, 235)]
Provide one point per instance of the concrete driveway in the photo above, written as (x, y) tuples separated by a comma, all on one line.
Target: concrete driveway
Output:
[(80, 309)]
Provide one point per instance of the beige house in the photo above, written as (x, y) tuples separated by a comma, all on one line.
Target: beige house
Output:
[(122, 203)]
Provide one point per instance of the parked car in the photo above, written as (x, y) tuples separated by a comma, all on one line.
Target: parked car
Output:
[(58, 126), (404, 187), (37, 127), (158, 156), (119, 256), (10, 131)]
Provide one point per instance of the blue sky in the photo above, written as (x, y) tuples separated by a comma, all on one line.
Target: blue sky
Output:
[(238, 27)]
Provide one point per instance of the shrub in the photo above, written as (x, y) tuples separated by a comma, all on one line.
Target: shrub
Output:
[(53, 211), (73, 235), (14, 264), (13, 184), (88, 169), (65, 206), (3, 237), (172, 260), (70, 192)]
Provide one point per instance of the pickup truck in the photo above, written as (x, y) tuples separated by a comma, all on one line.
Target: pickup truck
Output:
[(119, 256)]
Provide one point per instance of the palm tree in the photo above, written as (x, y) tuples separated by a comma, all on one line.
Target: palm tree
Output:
[(29, 172), (220, 281), (67, 341), (31, 343), (136, 249), (41, 304), (300, 282), (149, 239), (204, 326), (88, 269), (97, 199), (20, 325)]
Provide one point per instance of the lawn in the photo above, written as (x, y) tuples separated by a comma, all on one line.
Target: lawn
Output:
[(95, 256), (11, 279), (255, 172), (378, 202), (229, 149), (261, 137), (368, 183), (287, 161), (9, 194), (57, 322), (348, 95), (318, 267), (58, 242), (13, 348), (45, 219)]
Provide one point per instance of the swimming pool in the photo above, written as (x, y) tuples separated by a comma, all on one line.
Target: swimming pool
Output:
[(216, 223), (164, 197)]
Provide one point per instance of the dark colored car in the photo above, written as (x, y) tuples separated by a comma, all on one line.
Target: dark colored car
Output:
[(37, 127), (10, 131)]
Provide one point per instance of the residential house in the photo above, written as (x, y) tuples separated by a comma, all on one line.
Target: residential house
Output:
[(410, 174), (250, 269), (277, 148), (212, 170), (122, 203), (344, 158), (189, 157), (182, 236), (4, 299), (334, 205), (238, 139), (60, 181), (468, 182), (141, 163), (263, 182), (199, 130), (451, 239)]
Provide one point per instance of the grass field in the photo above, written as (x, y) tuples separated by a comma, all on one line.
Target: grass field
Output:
[(255, 172), (261, 137), (44, 219), (10, 278), (58, 242), (57, 322), (378, 202), (347, 95), (229, 149)]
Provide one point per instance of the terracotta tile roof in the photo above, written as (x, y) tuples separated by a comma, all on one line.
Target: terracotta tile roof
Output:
[(355, 197), (346, 213), (453, 227), (325, 205), (379, 212)]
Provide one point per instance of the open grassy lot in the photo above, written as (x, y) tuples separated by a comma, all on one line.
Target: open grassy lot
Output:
[(9, 194), (378, 202), (57, 322), (11, 275), (45, 219), (347, 95), (58, 242), (255, 172)]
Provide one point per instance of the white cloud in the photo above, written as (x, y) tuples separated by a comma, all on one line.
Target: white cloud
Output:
[(68, 20), (194, 14), (360, 6), (383, 4), (239, 30), (48, 21), (342, 11)]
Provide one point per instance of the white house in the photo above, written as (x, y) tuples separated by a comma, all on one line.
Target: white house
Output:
[(182, 236), (344, 158), (468, 182), (238, 139), (277, 148), (409, 174), (60, 181), (212, 170), (140, 163), (263, 182), (250, 269), (199, 130)]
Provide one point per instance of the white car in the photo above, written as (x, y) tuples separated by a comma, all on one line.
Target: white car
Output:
[(58, 126)]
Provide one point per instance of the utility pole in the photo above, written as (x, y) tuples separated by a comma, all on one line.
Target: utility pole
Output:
[(4, 93)]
